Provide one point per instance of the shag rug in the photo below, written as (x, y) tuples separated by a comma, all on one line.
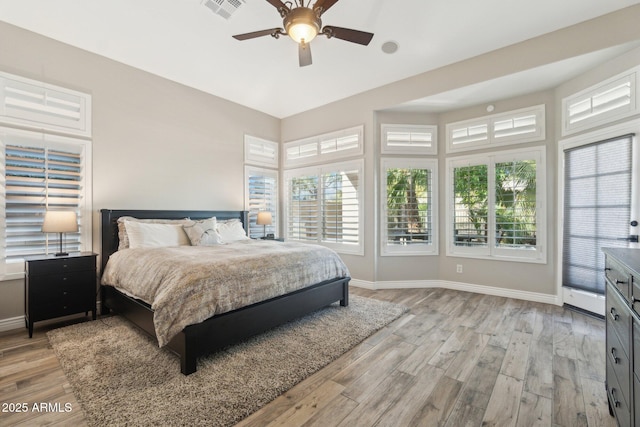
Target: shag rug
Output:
[(121, 377)]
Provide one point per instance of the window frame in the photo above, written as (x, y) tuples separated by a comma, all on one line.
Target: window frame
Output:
[(491, 138), (15, 268), (491, 250), (271, 173), (431, 130), (312, 148), (318, 171), (418, 249), (631, 76)]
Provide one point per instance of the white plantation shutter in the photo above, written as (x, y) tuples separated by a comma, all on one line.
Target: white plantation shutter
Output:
[(262, 195), (329, 146), (38, 105), (259, 151), (303, 210), (512, 127), (409, 139), (41, 172), (340, 206), (324, 205), (605, 102), (408, 201)]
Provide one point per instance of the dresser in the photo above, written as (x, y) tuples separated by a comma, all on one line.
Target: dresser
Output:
[(59, 286), (622, 273)]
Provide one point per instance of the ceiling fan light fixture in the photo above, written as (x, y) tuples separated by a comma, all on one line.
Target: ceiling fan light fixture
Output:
[(302, 24)]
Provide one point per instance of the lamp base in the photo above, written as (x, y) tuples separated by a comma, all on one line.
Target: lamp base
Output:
[(62, 254)]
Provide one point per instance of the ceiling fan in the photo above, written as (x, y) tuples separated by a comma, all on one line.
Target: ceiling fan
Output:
[(302, 23)]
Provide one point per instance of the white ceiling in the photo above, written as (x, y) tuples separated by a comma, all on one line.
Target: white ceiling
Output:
[(185, 42)]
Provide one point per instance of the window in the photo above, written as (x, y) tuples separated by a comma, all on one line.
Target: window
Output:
[(610, 100), (513, 127), (261, 195), (409, 139), (326, 147), (261, 152), (261, 183), (38, 105), (495, 205), (324, 205), (43, 172), (409, 193)]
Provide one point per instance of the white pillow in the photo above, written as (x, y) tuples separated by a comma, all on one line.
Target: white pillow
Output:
[(231, 230), (143, 235), (202, 232)]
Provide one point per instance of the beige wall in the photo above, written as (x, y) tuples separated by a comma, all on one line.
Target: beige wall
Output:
[(158, 144)]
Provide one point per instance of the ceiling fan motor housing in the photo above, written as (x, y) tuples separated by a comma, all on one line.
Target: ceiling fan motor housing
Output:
[(302, 23)]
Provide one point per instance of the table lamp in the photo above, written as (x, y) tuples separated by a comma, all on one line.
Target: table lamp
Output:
[(60, 222)]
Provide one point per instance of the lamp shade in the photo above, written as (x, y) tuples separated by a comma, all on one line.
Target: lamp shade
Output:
[(60, 222), (264, 218)]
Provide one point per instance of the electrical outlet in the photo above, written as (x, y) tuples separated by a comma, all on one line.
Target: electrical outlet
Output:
[(459, 268)]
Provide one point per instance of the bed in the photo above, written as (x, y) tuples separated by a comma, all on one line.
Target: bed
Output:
[(220, 330)]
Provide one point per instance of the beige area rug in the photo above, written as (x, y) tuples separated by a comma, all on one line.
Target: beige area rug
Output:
[(121, 377)]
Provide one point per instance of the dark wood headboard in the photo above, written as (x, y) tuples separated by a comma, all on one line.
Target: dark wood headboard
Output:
[(109, 220)]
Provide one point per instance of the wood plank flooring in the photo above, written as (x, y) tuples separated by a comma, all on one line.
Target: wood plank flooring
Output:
[(456, 359)]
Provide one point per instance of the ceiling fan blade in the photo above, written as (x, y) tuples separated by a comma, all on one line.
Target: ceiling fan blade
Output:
[(353, 36), (323, 5), (304, 54), (282, 8), (261, 33)]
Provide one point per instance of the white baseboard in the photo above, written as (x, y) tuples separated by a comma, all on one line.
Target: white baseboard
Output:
[(12, 323), (18, 322), (589, 301), (466, 287)]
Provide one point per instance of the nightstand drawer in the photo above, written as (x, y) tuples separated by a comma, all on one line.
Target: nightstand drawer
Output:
[(44, 288), (62, 306), (60, 265)]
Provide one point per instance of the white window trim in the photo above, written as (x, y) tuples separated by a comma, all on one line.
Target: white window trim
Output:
[(431, 130), (413, 249), (538, 255), (314, 152), (17, 110), (248, 170), (492, 140), (261, 152), (631, 76), (343, 248), (15, 269)]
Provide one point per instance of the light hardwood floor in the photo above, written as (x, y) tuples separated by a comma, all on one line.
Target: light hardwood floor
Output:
[(456, 359)]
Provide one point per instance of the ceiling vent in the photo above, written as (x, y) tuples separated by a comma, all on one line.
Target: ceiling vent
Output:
[(224, 8)]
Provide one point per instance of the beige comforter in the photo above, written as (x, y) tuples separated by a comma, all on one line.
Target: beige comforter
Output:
[(188, 284)]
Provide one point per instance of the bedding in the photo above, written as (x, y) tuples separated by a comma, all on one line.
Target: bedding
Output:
[(185, 285)]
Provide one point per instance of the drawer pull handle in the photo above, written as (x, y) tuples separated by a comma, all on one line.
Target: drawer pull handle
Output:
[(616, 402), (607, 269), (616, 360), (65, 293), (614, 316), (621, 282)]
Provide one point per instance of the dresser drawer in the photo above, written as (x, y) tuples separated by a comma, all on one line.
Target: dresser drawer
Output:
[(45, 287), (618, 317), (618, 276), (62, 306), (617, 400), (60, 265), (618, 359)]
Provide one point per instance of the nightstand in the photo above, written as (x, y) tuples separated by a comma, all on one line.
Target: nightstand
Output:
[(59, 286)]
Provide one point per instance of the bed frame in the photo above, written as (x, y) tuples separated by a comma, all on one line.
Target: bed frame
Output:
[(224, 329)]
